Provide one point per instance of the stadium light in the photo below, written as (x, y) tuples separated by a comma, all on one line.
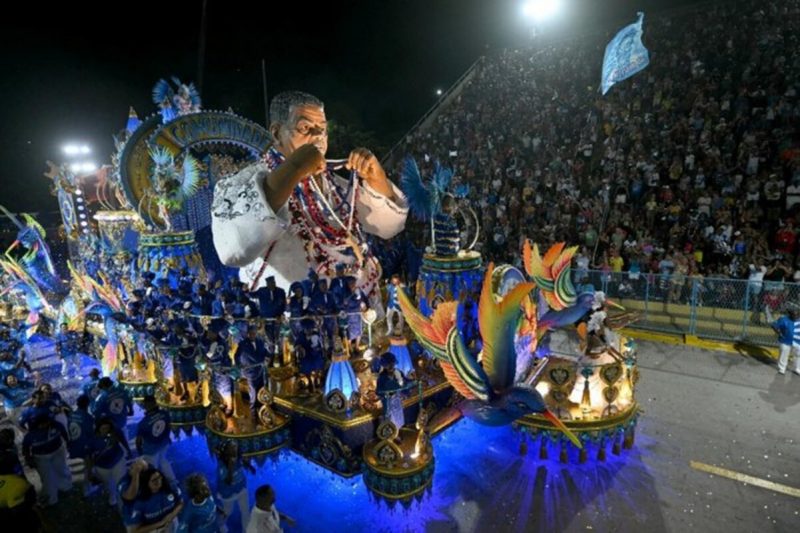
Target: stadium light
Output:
[(438, 92), (540, 10), (72, 150)]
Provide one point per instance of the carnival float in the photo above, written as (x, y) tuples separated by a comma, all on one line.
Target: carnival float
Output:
[(474, 342)]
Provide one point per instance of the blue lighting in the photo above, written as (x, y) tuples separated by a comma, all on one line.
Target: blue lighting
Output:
[(404, 363), (341, 376), (480, 478)]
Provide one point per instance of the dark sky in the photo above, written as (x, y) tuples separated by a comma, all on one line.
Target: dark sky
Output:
[(70, 72)]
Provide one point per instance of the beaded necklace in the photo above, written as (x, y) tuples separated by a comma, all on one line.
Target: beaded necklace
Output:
[(324, 217)]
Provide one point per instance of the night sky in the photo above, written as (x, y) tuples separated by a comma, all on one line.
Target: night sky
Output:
[(70, 72)]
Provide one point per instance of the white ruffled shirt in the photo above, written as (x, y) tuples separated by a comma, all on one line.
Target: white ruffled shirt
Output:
[(244, 227), (264, 521)]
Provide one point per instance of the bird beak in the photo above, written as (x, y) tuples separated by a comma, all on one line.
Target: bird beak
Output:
[(548, 414), (612, 303)]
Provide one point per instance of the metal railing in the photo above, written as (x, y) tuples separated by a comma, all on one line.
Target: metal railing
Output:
[(733, 310)]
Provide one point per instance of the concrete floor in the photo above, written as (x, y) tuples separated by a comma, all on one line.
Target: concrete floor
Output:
[(720, 409)]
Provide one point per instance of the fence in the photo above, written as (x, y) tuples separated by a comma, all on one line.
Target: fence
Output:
[(734, 310)]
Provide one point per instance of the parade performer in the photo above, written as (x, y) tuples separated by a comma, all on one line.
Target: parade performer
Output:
[(393, 307), (324, 304), (390, 383), (44, 448), (231, 481), (216, 352), (114, 402), (67, 349), (80, 428), (14, 389), (252, 357), (291, 212), (272, 304), (354, 304), (152, 437), (36, 261)]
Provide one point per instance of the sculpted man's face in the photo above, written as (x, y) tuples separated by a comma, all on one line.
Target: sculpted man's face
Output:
[(307, 125)]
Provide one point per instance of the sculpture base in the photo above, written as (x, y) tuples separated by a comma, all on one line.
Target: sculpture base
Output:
[(407, 476)]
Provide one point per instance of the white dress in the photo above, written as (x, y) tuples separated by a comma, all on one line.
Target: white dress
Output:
[(245, 227)]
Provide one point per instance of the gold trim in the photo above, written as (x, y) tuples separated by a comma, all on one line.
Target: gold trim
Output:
[(269, 450), (452, 258), (536, 421), (358, 420), (186, 424), (405, 494), (138, 383), (181, 407), (396, 473), (248, 435)]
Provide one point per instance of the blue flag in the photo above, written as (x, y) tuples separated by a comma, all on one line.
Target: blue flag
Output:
[(625, 55)]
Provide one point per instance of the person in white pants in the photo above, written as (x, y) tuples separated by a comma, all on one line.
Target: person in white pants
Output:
[(788, 330), (232, 483), (44, 449), (393, 307)]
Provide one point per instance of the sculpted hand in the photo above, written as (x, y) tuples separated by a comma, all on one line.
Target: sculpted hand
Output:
[(308, 160), (369, 168)]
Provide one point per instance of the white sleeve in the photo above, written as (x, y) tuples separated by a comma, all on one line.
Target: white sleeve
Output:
[(242, 222), (379, 215)]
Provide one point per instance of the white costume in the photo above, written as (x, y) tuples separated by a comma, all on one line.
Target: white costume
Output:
[(245, 229)]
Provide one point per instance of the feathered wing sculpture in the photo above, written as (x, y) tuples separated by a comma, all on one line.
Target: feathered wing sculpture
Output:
[(107, 303), (23, 282), (492, 397), (162, 92), (424, 201), (36, 260), (421, 201), (552, 274), (163, 96)]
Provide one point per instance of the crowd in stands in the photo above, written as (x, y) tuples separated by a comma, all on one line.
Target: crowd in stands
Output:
[(690, 168)]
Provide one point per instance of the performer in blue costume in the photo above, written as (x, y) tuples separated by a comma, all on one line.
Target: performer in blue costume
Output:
[(272, 304), (393, 307), (200, 514), (231, 481), (153, 438), (67, 343), (354, 303), (339, 284), (324, 304), (215, 351), (297, 308), (390, 383), (445, 229), (113, 401), (252, 358)]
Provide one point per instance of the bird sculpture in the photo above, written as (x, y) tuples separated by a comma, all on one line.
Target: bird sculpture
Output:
[(492, 395)]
